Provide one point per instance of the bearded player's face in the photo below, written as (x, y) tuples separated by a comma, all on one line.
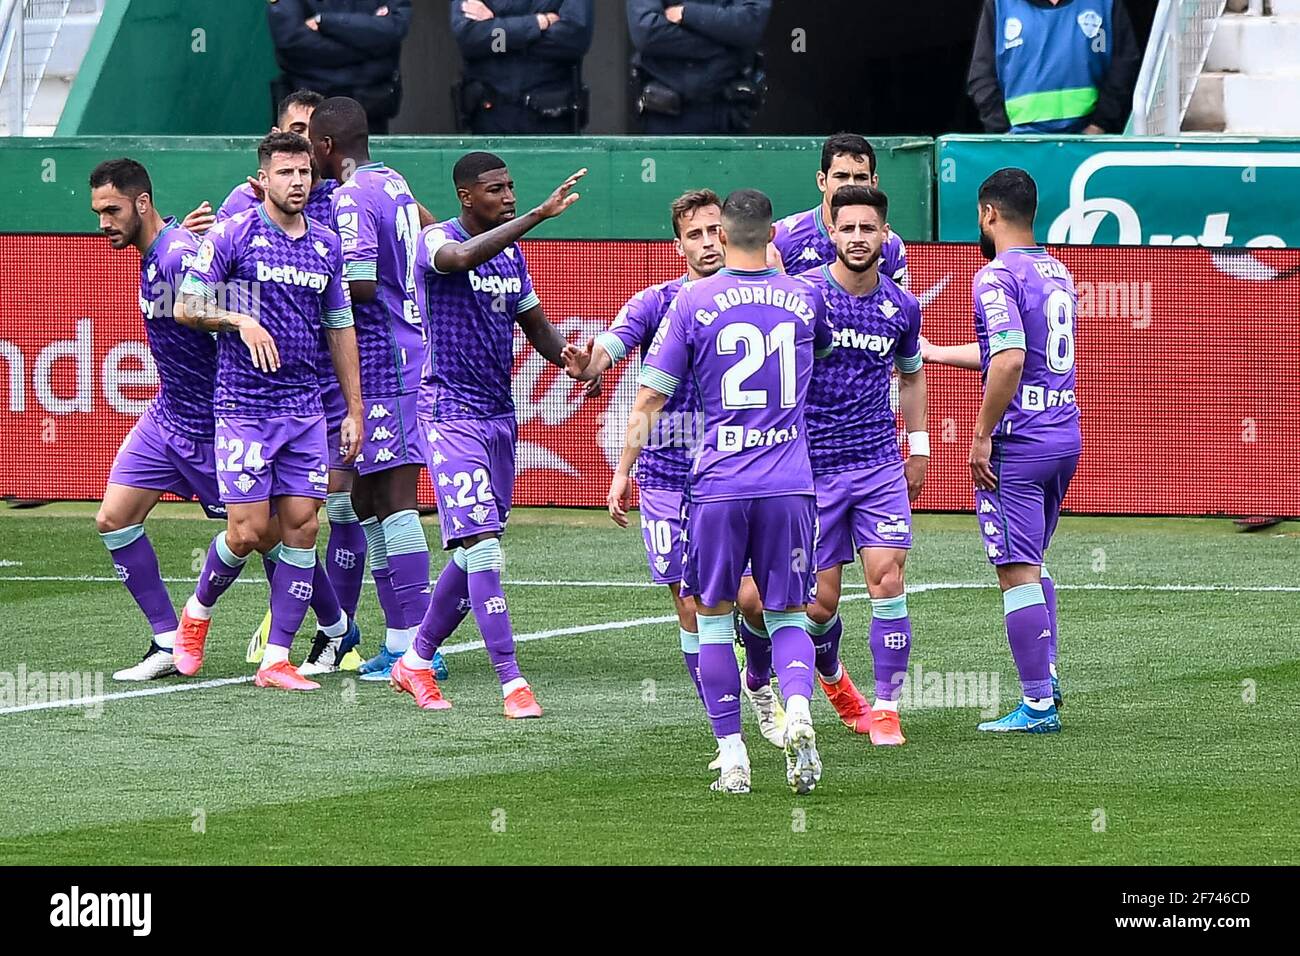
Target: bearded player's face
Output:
[(287, 180), (846, 170), (119, 219), (859, 235), (700, 242)]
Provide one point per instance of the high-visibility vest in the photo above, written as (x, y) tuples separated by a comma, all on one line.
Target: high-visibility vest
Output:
[(1051, 62)]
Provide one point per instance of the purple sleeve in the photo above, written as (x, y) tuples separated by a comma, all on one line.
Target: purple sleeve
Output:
[(240, 198), (527, 294), (357, 224), (336, 303), (633, 326), (669, 356), (823, 332), (212, 263), (995, 303), (908, 354)]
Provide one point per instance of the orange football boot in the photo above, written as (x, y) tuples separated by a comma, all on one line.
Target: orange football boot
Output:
[(885, 730), (854, 711), (285, 676), (420, 684), (522, 703), (191, 635)]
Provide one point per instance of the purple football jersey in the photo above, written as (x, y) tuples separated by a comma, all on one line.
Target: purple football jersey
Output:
[(469, 320), (318, 208), (804, 243), (378, 222), (851, 424), (292, 287), (665, 463), (1025, 299), (747, 338), (186, 358)]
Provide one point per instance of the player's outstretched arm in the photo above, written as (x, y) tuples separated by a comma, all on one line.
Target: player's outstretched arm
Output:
[(958, 356), (197, 312), (640, 424), (463, 256), (544, 337), (585, 365), (342, 342), (912, 403)]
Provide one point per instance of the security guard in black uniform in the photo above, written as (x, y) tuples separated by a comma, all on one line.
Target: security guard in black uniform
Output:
[(523, 65), (342, 48), (697, 68)]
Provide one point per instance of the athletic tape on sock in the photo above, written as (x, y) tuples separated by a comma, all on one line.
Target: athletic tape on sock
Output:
[(1022, 596), (338, 507), (122, 536), (458, 556), (817, 630), (715, 629), (226, 555), (484, 556), (403, 534), (890, 608), (299, 557), (775, 620), (376, 550)]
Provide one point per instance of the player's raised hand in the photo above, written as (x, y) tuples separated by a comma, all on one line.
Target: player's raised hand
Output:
[(261, 347), (562, 198), (350, 438), (914, 471), (619, 498), (258, 192), (200, 219), (981, 467)]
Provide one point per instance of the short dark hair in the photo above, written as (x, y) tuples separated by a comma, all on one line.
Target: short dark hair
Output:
[(125, 175), (854, 195), (308, 98), (274, 143), (847, 144), (473, 165), (1014, 193), (747, 217), (690, 201), (342, 119)]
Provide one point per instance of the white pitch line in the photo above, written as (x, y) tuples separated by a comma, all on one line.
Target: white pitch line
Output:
[(911, 588)]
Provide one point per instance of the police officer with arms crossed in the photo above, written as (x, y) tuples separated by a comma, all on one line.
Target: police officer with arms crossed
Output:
[(697, 68), (342, 48), (523, 65)]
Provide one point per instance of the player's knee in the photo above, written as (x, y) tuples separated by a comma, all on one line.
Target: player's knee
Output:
[(245, 537), (887, 581), (823, 611), (107, 522)]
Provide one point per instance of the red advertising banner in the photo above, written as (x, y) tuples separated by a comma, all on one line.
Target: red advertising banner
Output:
[(1188, 373)]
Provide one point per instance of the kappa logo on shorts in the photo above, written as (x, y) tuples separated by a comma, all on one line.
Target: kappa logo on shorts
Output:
[(384, 454), (990, 528), (456, 523), (244, 483), (378, 411), (987, 507), (438, 458), (381, 434), (449, 501), (433, 435), (479, 514), (994, 551), (443, 479)]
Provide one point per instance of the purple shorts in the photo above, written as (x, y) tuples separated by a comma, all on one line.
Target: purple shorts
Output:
[(1017, 520), (661, 527), (263, 458), (863, 508), (336, 409), (472, 467), (156, 456), (776, 535), (390, 434)]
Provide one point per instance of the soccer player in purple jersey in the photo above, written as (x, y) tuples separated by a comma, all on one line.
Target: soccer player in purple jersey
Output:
[(170, 447), (378, 222), (473, 287), (662, 469), (747, 335), (279, 276), (864, 489), (1026, 442), (803, 241)]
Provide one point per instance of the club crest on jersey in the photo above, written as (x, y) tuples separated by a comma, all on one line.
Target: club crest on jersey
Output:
[(322, 250), (152, 272), (888, 309), (1090, 23)]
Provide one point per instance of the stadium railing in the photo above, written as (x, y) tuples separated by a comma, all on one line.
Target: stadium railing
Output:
[(1181, 34)]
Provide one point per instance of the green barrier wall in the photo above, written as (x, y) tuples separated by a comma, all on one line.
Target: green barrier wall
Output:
[(1225, 191), (626, 193), (162, 66)]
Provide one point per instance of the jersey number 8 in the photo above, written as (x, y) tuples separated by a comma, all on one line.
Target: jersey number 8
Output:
[(1060, 330)]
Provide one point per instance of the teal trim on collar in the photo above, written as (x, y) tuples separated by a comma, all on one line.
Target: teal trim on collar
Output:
[(852, 295), (261, 211), (819, 222), (727, 270), (169, 223), (1038, 249)]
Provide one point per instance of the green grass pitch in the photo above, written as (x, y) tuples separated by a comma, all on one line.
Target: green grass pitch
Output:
[(1180, 645)]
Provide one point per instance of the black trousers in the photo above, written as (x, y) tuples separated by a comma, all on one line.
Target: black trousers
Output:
[(695, 119)]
